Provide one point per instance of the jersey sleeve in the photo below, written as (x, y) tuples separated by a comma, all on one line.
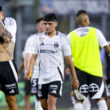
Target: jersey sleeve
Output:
[(101, 39), (66, 47), (11, 26), (32, 45), (68, 39)]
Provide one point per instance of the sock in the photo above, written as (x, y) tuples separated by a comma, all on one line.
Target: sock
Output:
[(102, 105), (38, 105), (73, 100), (86, 104), (78, 106)]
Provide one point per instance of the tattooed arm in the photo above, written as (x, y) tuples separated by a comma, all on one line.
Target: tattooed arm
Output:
[(5, 36)]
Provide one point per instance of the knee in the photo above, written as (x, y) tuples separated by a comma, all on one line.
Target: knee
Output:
[(51, 100), (11, 101), (44, 105)]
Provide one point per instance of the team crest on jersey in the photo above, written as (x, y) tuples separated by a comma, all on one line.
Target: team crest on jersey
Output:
[(56, 44), (41, 39)]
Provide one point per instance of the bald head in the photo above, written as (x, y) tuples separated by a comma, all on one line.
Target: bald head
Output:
[(82, 18)]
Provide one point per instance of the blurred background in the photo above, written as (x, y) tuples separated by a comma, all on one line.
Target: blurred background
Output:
[(26, 11)]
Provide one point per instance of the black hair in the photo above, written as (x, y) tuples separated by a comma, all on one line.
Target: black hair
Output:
[(50, 17), (1, 8), (39, 19), (81, 12)]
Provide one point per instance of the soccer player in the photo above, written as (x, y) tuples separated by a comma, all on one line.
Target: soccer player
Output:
[(8, 73), (52, 49), (85, 41), (106, 56), (31, 88)]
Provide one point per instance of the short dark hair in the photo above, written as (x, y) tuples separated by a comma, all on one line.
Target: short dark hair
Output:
[(39, 19), (50, 17), (81, 12), (1, 8)]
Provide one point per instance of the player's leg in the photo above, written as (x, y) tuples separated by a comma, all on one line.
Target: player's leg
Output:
[(11, 101), (87, 104), (44, 104), (38, 105), (43, 95), (108, 92), (101, 104), (108, 103), (34, 91), (27, 95), (82, 92), (52, 102), (9, 84), (97, 91), (27, 102), (55, 91)]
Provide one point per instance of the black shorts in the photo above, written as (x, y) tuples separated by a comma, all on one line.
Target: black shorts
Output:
[(53, 88), (34, 86), (8, 78), (27, 87), (92, 85)]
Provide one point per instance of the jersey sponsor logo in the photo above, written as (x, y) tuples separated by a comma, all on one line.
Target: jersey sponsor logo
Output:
[(84, 88), (48, 51), (10, 86), (93, 87), (12, 91)]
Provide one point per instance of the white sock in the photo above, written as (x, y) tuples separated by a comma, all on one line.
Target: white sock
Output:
[(86, 104), (73, 100), (78, 106), (38, 105), (102, 105)]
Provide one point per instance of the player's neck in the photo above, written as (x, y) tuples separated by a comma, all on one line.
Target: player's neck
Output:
[(51, 34)]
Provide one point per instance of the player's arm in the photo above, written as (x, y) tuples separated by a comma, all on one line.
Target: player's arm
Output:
[(5, 36), (21, 68), (102, 41), (107, 48), (75, 82), (31, 65), (26, 60)]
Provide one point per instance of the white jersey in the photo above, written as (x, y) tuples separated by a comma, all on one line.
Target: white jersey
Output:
[(82, 31), (27, 49), (51, 53), (10, 24)]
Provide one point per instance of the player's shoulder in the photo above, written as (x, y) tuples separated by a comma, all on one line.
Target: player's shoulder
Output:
[(10, 20), (31, 37), (60, 34)]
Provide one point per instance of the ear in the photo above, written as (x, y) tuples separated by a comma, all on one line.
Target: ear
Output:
[(56, 23), (2, 15)]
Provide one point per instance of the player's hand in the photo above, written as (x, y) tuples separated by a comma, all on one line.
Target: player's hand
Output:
[(75, 83), (27, 76), (6, 39)]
